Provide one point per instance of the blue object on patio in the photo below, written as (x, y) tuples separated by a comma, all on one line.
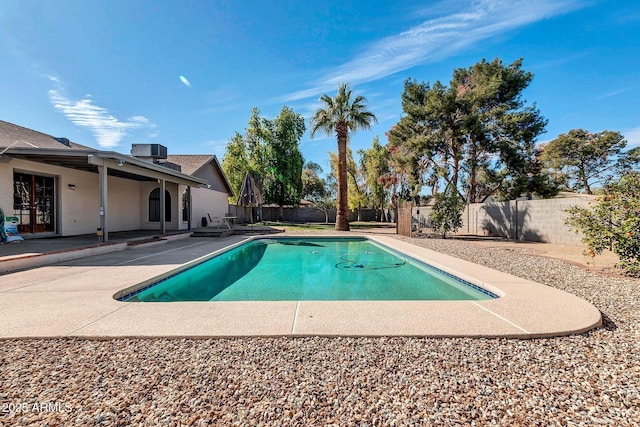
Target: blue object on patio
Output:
[(9, 228)]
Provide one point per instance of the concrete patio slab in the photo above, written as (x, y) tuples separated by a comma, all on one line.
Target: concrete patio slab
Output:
[(419, 318), (541, 308), (75, 298), (51, 314), (189, 319)]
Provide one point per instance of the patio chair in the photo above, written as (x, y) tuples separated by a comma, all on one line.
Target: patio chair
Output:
[(214, 221)]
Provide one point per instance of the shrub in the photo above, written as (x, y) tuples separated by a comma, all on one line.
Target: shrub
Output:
[(613, 221), (446, 215)]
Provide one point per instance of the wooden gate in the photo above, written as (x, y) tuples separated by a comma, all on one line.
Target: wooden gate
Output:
[(403, 219)]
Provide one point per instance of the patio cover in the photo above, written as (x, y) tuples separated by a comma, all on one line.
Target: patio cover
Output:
[(106, 163)]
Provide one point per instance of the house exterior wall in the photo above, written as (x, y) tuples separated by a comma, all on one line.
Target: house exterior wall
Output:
[(124, 212), (6, 187), (203, 201), (176, 202), (213, 201), (76, 210), (208, 201), (214, 179)]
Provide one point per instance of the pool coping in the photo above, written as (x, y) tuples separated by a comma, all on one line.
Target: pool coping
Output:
[(525, 309)]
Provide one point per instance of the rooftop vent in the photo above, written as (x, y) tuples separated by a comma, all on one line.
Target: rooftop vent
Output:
[(150, 152), (64, 141)]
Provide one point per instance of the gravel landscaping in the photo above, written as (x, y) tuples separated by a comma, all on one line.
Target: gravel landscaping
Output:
[(588, 379)]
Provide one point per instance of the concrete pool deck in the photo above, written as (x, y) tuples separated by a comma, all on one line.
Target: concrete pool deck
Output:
[(74, 298)]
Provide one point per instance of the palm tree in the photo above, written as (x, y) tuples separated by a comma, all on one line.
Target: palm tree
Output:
[(342, 115)]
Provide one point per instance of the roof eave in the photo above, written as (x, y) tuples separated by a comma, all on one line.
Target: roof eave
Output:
[(117, 157)]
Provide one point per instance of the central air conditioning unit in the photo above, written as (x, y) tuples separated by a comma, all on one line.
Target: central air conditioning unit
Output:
[(149, 151)]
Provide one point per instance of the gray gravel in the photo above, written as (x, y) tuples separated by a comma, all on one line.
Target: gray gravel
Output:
[(588, 379)]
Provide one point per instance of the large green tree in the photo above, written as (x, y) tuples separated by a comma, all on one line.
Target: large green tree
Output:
[(269, 152), (328, 201), (314, 188), (256, 137), (477, 135), (319, 191), (282, 180), (245, 153), (581, 159), (374, 163), (341, 114), (235, 163), (396, 182)]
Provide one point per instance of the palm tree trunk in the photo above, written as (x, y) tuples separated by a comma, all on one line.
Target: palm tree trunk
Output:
[(342, 214)]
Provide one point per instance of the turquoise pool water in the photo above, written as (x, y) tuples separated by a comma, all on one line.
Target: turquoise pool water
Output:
[(286, 269)]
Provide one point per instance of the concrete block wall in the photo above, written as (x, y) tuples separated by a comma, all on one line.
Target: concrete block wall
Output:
[(527, 220), (544, 220), (303, 214)]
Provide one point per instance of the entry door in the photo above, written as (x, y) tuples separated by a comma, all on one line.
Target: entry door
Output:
[(34, 202)]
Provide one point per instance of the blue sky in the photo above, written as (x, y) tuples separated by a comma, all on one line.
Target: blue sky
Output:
[(186, 74)]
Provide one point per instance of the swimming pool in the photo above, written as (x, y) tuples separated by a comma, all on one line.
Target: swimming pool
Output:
[(301, 269)]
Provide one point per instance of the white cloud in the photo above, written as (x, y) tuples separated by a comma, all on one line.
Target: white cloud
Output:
[(139, 119), (437, 38), (633, 137), (614, 93), (106, 128), (52, 78)]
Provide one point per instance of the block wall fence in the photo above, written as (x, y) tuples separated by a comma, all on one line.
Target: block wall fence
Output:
[(308, 214), (526, 220)]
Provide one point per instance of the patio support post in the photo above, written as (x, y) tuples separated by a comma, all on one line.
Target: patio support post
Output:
[(102, 173), (163, 226), (189, 213)]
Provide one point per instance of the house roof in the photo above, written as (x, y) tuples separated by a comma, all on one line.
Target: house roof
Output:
[(21, 137), (191, 163), (20, 142)]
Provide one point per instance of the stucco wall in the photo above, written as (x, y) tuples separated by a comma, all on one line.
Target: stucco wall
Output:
[(77, 210), (205, 200), (6, 187), (214, 179), (176, 201), (124, 211)]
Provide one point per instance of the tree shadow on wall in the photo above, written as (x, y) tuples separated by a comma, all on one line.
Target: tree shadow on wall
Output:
[(509, 220)]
